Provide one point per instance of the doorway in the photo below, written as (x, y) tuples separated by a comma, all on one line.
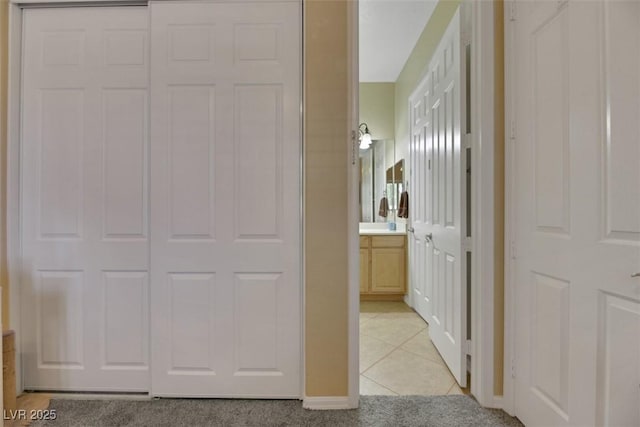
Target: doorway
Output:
[(397, 355), (485, 366)]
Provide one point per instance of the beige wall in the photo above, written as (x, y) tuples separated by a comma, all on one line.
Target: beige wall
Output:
[(4, 36), (326, 152), (377, 109), (415, 67)]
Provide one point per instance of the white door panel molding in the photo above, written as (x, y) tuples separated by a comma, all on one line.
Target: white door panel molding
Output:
[(576, 212), (438, 181), (85, 191), (225, 230)]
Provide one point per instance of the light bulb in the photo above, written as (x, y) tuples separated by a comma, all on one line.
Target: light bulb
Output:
[(365, 142)]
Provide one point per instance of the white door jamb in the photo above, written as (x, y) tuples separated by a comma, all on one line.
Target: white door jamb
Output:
[(13, 178), (353, 208), (508, 402), (482, 204)]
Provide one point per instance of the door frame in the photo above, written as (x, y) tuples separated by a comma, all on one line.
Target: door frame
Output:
[(483, 272), (510, 193), (13, 168), (353, 206), (483, 209)]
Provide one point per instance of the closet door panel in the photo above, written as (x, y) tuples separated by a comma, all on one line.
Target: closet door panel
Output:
[(85, 249), (225, 155)]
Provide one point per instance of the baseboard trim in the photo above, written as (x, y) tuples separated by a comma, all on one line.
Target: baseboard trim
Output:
[(498, 402), (327, 402), (93, 395)]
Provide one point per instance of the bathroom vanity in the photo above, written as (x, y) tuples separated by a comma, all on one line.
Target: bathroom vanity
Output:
[(383, 240), (383, 264)]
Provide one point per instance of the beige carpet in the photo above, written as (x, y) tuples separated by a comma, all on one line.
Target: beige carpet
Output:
[(382, 411)]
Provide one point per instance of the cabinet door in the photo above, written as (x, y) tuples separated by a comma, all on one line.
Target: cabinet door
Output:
[(387, 270), (364, 270)]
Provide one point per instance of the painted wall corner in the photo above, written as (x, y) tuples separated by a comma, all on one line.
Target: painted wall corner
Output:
[(326, 215)]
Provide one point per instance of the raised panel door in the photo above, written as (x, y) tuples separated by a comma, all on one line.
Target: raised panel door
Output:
[(225, 129), (438, 261), (84, 288), (577, 92)]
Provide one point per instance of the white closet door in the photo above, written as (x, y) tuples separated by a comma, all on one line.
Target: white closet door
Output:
[(84, 199), (225, 197)]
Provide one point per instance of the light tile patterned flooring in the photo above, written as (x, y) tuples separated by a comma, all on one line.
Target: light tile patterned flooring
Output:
[(396, 354)]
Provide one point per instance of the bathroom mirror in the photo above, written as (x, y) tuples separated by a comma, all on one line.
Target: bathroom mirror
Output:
[(378, 180)]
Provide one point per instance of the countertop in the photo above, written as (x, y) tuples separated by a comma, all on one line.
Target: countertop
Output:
[(378, 229), (382, 232)]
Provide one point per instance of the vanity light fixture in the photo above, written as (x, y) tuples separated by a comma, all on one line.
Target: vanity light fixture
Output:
[(365, 136)]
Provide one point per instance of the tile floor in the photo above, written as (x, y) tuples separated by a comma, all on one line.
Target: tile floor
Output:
[(396, 354)]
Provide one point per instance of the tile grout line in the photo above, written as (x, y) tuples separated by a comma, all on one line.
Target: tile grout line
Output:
[(381, 385), (394, 349), (398, 347), (440, 360), (441, 365), (452, 386), (411, 337), (380, 359), (402, 343), (441, 368)]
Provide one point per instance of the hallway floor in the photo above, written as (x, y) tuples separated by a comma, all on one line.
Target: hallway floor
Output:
[(396, 354)]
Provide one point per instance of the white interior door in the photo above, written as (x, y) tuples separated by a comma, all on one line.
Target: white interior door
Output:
[(225, 229), (84, 199), (420, 189), (577, 92), (438, 188)]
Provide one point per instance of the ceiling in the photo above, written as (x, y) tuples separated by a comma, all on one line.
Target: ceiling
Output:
[(389, 29)]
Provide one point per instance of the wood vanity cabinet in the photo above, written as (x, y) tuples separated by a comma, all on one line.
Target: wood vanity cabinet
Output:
[(383, 267)]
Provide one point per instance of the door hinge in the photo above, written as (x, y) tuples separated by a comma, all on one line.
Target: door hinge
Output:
[(514, 250), (469, 348), (512, 10), (513, 368), (467, 244), (354, 146), (512, 130), (467, 140), (465, 39)]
